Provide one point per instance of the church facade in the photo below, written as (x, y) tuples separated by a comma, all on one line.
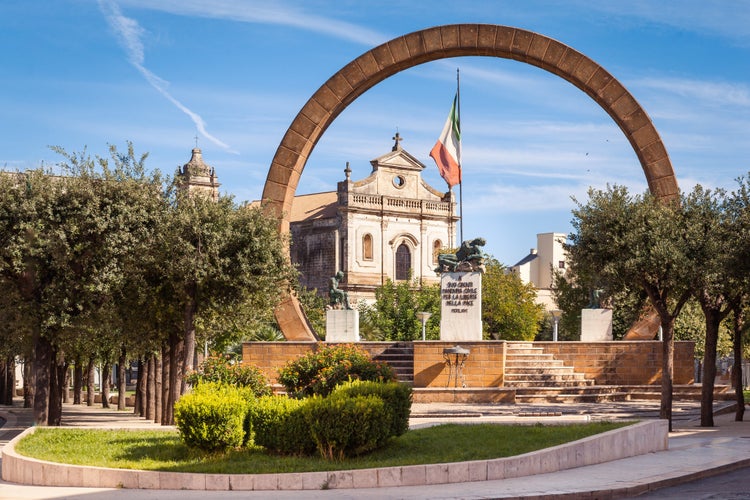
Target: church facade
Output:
[(389, 225)]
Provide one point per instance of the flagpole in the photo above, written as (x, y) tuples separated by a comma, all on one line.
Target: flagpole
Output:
[(460, 168)]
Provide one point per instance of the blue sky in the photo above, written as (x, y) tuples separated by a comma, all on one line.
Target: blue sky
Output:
[(86, 73)]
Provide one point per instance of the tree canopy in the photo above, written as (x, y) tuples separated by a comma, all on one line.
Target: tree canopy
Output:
[(107, 258)]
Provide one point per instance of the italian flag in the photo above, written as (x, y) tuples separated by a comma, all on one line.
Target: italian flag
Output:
[(447, 150)]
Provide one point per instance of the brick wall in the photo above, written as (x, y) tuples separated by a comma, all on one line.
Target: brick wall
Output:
[(483, 368), (270, 356), (623, 362), (608, 363)]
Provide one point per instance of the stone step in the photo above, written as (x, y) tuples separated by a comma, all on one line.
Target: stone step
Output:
[(535, 370), (573, 398), (530, 363), (400, 357), (540, 357), (558, 384), (524, 350)]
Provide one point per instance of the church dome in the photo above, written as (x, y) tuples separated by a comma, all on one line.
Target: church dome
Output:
[(196, 165)]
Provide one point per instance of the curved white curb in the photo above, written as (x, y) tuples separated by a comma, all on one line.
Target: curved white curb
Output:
[(637, 439)]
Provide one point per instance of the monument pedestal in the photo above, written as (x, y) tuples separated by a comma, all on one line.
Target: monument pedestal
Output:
[(461, 306), (342, 325), (596, 325)]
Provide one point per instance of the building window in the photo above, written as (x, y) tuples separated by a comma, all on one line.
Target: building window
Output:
[(561, 264), (436, 247), (403, 262), (367, 247)]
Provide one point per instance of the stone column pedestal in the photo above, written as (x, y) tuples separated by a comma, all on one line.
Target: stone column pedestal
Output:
[(596, 325), (342, 325)]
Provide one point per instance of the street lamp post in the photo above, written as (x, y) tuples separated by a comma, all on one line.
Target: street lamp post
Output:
[(423, 317), (556, 314)]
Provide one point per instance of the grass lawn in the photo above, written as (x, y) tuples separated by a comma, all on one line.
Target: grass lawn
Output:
[(164, 451)]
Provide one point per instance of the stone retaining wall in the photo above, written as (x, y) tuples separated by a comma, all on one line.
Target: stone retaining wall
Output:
[(608, 363), (624, 362), (638, 439)]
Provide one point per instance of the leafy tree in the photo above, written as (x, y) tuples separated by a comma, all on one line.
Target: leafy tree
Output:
[(623, 240), (65, 240), (509, 311), (224, 261), (393, 316), (315, 308), (572, 294), (738, 267)]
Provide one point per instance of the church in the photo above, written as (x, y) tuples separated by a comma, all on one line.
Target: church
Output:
[(389, 225)]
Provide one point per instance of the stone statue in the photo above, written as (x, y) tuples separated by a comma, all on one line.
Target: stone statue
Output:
[(339, 299), (468, 258), (595, 299)]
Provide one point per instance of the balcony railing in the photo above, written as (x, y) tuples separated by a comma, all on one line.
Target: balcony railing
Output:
[(390, 204)]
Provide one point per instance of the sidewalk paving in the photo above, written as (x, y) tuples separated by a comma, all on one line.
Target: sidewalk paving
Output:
[(694, 452)]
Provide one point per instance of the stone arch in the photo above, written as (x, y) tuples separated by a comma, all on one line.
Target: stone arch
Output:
[(442, 42)]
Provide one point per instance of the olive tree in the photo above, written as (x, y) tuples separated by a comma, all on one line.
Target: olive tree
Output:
[(624, 240)]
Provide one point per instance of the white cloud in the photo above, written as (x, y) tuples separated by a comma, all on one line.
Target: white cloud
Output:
[(727, 19), (274, 13), (706, 92), (129, 33)]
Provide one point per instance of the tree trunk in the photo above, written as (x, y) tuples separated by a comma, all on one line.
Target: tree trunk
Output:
[(122, 383), (66, 384), (29, 382), (77, 381), (709, 367), (739, 327), (105, 382), (667, 370), (166, 364), (151, 387), (42, 364), (90, 381), (175, 375), (189, 343), (57, 380), (158, 387), (4, 370), (7, 380), (140, 389)]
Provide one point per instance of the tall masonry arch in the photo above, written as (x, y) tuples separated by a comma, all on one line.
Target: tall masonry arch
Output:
[(442, 42)]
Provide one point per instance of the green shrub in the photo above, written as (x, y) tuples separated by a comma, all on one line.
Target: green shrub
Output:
[(397, 397), (318, 373), (279, 425), (220, 369), (211, 418), (343, 426)]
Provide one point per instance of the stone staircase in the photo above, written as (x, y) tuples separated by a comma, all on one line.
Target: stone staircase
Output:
[(527, 366), (400, 356)]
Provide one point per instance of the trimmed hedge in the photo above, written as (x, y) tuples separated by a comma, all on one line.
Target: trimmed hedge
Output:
[(319, 372), (344, 426), (397, 397), (279, 425), (211, 417), (357, 417)]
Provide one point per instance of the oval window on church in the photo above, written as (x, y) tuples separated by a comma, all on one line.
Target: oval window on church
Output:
[(403, 262), (399, 181)]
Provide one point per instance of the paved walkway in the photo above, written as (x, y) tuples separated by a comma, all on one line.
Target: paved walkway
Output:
[(693, 453)]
